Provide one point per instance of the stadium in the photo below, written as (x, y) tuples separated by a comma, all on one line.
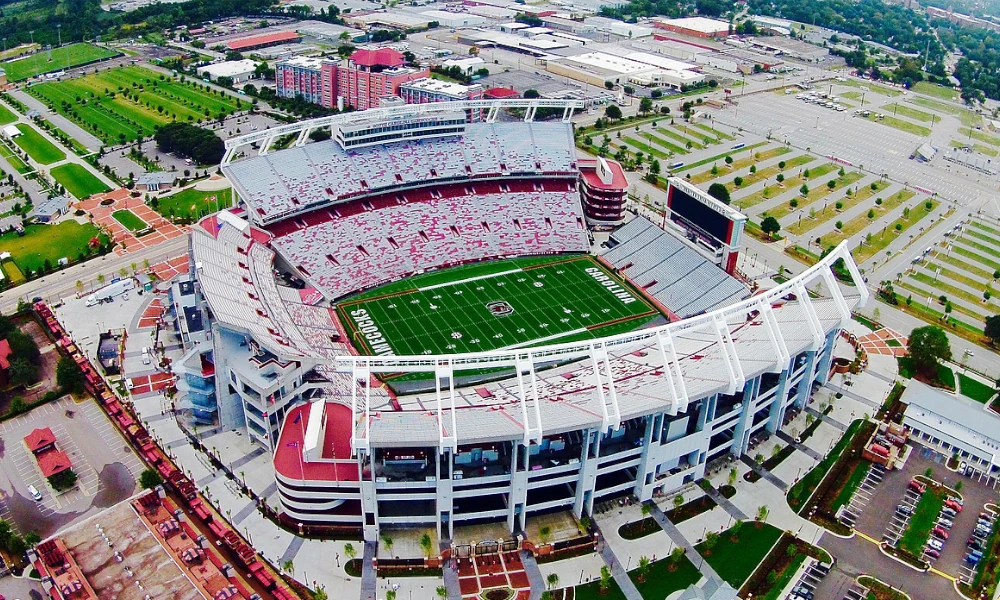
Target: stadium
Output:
[(424, 321)]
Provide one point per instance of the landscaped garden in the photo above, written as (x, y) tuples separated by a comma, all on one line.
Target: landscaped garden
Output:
[(975, 389), (735, 554), (78, 180), (129, 103), (659, 579), (191, 204), (129, 220)]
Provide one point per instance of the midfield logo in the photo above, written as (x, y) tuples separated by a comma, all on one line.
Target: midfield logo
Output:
[(500, 308)]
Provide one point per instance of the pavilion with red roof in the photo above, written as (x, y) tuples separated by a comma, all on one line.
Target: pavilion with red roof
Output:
[(51, 460)]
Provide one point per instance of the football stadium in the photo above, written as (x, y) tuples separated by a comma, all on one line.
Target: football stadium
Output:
[(435, 319)]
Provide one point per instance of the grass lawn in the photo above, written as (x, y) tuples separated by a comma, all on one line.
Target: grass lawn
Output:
[(6, 116), (665, 577), (937, 91), (15, 161), (857, 476), (874, 87), (922, 522), (644, 147), (912, 113), (866, 250), (592, 591), (128, 103), (977, 134), (502, 304), (192, 203), (736, 561), (718, 157), (14, 274), (64, 57), (712, 131), (38, 148), (799, 493), (980, 148), (78, 180), (972, 388), (40, 242), (129, 220), (824, 215), (900, 124)]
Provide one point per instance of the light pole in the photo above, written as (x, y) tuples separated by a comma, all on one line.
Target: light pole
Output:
[(59, 33)]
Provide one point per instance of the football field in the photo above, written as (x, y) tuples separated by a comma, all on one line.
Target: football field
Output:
[(504, 304)]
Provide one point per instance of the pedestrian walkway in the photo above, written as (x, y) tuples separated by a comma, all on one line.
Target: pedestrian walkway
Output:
[(853, 396), (678, 538), (724, 502), (617, 571), (764, 473), (800, 447), (534, 574), (368, 587), (812, 411)]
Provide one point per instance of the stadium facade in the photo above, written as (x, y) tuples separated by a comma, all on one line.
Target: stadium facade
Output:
[(556, 426)]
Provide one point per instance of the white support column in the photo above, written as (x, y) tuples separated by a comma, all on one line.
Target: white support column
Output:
[(360, 371), (491, 113), (529, 113), (265, 146), (530, 415), (815, 327), (859, 279), (227, 157), (774, 332), (733, 366), (447, 437), (672, 372)]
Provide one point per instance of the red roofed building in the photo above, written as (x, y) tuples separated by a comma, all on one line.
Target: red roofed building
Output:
[(42, 443), (5, 354), (603, 188), (360, 81), (263, 41), (500, 93)]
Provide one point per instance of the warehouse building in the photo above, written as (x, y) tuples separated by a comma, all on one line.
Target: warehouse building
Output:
[(237, 70), (700, 27)]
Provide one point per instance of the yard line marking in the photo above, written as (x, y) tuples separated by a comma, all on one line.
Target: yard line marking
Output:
[(469, 280), (544, 339)]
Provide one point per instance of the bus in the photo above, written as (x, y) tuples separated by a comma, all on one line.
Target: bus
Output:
[(676, 165), (738, 146)]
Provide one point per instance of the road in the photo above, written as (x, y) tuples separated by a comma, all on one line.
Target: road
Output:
[(61, 284)]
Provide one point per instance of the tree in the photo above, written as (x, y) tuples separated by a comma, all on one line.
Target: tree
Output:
[(63, 480), (737, 181), (552, 580), (804, 189), (390, 594), (780, 178), (645, 105), (69, 376), (729, 160), (605, 583), (992, 330), (201, 145), (735, 529), (442, 592), (719, 192), (644, 563), (427, 544), (711, 538), (678, 501), (733, 474), (762, 512), (927, 346), (770, 226), (613, 112), (149, 479), (22, 372), (387, 541), (349, 551)]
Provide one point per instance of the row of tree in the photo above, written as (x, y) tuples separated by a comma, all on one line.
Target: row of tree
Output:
[(197, 143)]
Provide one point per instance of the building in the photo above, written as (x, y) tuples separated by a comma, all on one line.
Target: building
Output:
[(720, 375), (360, 81), (237, 70), (10, 132), (263, 41), (603, 188), (42, 444), (155, 181), (50, 209), (195, 370), (455, 19), (389, 20), (422, 91), (960, 19), (701, 27), (953, 423), (638, 68)]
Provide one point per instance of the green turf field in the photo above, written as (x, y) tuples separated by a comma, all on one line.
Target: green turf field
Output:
[(78, 181), (38, 148), (66, 239), (192, 203), (128, 103), (62, 58), (504, 304), (129, 220)]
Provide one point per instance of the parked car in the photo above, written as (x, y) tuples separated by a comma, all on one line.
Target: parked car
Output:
[(947, 524), (972, 560), (940, 532), (904, 510), (948, 512), (35, 494), (955, 506), (916, 486), (932, 553), (935, 544)]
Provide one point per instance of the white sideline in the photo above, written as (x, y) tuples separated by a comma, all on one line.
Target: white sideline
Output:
[(544, 339), (450, 283)]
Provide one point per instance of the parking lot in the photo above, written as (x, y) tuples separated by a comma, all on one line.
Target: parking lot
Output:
[(106, 467)]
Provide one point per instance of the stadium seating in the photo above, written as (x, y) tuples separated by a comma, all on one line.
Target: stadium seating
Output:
[(449, 226), (676, 275), (301, 178)]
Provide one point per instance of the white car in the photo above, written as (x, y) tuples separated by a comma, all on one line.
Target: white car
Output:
[(936, 544), (35, 494)]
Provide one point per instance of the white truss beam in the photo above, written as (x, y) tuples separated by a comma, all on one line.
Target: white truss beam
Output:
[(447, 436), (815, 327), (838, 298), (360, 375), (736, 377), (672, 372), (528, 396), (610, 412), (774, 333)]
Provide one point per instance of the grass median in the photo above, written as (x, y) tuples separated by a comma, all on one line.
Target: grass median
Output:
[(922, 522)]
